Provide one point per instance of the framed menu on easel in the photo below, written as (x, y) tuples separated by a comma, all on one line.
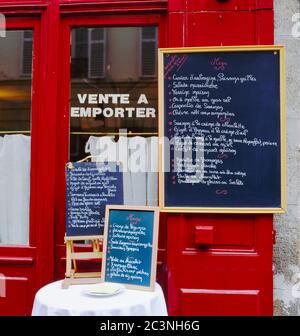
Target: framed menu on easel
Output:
[(130, 246), (90, 187)]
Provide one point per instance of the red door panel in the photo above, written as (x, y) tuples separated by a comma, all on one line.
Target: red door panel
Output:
[(177, 5), (17, 297), (236, 232), (264, 32), (176, 26), (220, 28), (219, 302), (204, 276), (18, 269), (230, 5), (265, 4)]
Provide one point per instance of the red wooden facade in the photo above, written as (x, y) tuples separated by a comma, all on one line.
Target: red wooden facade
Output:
[(232, 274)]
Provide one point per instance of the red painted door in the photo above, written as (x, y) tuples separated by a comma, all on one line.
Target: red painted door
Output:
[(220, 264), (26, 248), (105, 36)]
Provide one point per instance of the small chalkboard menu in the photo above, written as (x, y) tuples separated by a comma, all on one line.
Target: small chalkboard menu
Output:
[(90, 187), (223, 123), (130, 246)]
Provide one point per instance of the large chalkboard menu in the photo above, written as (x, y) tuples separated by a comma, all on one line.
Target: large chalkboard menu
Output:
[(223, 123), (90, 187), (130, 246)]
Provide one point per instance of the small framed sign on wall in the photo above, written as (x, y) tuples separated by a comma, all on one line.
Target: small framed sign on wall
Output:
[(130, 246)]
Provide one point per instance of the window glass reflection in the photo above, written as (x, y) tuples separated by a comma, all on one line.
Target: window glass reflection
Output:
[(15, 111), (112, 61)]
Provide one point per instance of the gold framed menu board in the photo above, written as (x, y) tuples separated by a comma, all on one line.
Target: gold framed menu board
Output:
[(222, 120)]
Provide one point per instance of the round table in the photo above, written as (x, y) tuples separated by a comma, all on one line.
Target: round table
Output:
[(52, 300)]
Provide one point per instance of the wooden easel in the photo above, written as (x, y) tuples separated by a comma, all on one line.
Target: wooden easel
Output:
[(72, 276)]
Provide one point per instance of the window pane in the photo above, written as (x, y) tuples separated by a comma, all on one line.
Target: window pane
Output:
[(15, 111), (113, 89), (112, 61)]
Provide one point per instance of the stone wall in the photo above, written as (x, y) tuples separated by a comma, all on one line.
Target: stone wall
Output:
[(287, 248)]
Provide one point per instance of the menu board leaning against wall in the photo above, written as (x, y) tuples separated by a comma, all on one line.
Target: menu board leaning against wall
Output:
[(223, 123)]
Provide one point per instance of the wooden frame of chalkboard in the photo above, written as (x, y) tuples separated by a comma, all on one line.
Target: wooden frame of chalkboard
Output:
[(180, 205), (152, 264)]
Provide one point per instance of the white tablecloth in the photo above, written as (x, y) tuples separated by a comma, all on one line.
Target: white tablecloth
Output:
[(52, 300)]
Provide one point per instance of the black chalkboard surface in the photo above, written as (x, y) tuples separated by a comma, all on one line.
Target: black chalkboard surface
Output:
[(90, 187), (222, 113), (130, 246)]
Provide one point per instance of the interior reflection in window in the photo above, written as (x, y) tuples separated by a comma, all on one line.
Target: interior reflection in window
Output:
[(113, 61), (15, 81), (15, 111)]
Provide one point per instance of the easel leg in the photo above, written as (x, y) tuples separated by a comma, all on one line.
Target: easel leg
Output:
[(69, 259), (73, 260), (96, 245)]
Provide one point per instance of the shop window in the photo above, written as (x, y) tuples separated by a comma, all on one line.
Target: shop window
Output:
[(113, 97), (15, 112)]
